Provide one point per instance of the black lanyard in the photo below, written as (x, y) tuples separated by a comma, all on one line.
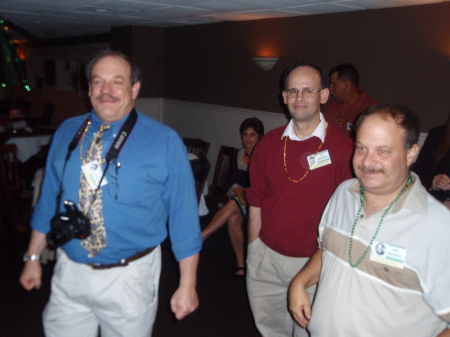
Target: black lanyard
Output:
[(111, 156)]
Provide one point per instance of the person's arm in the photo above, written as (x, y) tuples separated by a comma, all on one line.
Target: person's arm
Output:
[(424, 163), (239, 194), (32, 270), (440, 182), (185, 299), (299, 303), (254, 223), (445, 333)]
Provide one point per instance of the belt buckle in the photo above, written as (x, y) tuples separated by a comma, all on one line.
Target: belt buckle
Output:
[(98, 266)]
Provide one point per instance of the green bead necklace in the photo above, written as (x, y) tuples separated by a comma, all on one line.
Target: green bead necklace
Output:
[(361, 195)]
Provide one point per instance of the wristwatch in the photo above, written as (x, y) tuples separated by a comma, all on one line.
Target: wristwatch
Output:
[(32, 257)]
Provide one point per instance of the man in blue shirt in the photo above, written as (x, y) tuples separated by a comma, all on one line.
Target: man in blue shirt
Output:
[(149, 185)]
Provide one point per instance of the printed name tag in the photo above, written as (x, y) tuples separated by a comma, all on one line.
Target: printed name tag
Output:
[(93, 173), (349, 126), (387, 254), (319, 160)]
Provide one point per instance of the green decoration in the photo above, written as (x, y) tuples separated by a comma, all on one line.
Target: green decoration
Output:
[(10, 61)]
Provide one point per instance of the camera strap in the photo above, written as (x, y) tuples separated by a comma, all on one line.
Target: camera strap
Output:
[(118, 144), (121, 137), (111, 156), (73, 144)]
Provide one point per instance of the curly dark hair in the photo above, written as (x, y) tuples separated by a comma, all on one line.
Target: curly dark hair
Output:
[(136, 74)]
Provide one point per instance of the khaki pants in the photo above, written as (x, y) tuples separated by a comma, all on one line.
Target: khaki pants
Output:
[(123, 301), (268, 277)]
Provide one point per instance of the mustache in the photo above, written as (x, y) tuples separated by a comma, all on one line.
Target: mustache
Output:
[(107, 97), (365, 169)]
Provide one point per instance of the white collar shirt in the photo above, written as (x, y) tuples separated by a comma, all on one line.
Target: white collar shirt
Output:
[(318, 132)]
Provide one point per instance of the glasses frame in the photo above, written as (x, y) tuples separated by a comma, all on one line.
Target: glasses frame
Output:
[(305, 92)]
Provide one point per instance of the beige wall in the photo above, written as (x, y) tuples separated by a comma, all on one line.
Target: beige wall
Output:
[(401, 53)]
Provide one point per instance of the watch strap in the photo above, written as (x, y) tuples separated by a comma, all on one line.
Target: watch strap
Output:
[(31, 257)]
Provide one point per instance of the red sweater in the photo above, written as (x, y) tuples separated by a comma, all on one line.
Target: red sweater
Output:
[(336, 110), (290, 212)]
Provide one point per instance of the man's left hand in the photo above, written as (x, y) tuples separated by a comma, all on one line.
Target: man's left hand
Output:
[(184, 301)]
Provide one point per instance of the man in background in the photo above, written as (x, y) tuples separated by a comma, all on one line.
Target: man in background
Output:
[(294, 171), (348, 100)]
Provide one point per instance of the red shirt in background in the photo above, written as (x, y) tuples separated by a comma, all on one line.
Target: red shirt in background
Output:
[(344, 117)]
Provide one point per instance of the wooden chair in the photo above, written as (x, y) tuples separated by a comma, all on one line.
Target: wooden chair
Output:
[(15, 205), (200, 168), (196, 146), (217, 193)]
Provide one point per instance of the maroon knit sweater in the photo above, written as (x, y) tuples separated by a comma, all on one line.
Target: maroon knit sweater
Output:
[(290, 212)]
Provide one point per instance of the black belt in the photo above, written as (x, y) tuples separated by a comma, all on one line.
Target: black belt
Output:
[(123, 262)]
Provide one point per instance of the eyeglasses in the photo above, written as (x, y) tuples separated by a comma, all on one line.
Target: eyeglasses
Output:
[(113, 183), (305, 92)]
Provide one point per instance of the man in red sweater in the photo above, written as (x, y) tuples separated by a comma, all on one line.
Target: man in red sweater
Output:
[(348, 100), (294, 171)]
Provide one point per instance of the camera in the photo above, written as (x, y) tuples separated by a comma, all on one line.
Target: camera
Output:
[(68, 225)]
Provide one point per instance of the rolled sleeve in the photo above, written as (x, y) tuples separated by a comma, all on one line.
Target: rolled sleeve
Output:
[(181, 202)]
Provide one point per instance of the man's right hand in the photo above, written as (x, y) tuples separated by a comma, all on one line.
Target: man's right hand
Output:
[(299, 303), (31, 275), (32, 271)]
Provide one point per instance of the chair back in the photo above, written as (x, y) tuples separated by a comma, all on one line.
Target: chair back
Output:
[(9, 169), (222, 176), (200, 168), (196, 146)]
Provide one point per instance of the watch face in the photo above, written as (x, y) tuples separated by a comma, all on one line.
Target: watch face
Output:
[(32, 257)]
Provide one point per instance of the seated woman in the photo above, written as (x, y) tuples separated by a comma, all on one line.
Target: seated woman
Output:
[(433, 163), (235, 210)]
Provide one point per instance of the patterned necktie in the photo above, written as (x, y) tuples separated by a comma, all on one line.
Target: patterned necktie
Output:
[(93, 208)]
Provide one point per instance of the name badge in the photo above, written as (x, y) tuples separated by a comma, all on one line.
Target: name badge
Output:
[(318, 160), (93, 173), (349, 126), (387, 254)]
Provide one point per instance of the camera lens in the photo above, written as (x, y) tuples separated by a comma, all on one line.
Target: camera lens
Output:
[(61, 231), (56, 238)]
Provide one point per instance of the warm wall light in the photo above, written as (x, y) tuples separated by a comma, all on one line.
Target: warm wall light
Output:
[(265, 63)]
